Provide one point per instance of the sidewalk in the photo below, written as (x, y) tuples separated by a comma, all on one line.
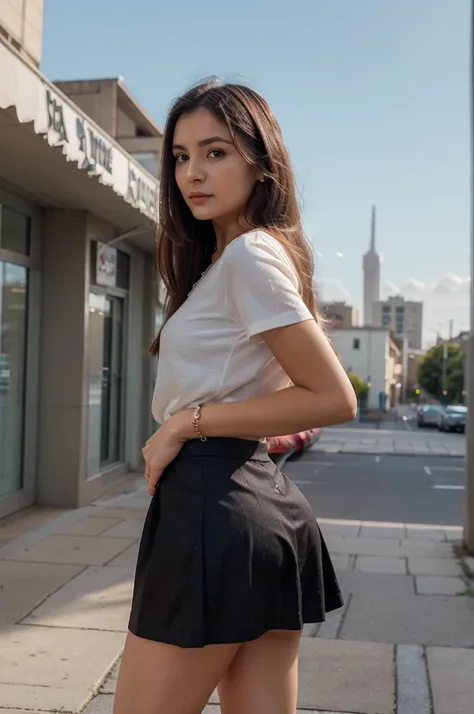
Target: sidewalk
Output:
[(404, 641), (360, 440)]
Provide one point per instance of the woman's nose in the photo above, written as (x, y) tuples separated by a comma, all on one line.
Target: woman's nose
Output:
[(194, 170)]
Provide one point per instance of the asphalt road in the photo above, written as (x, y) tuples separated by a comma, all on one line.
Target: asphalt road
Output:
[(401, 489)]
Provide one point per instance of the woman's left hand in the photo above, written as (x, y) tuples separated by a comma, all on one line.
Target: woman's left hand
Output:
[(160, 450)]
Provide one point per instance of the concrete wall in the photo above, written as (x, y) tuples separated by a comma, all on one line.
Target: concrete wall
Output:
[(68, 438), (23, 22), (370, 360), (98, 99)]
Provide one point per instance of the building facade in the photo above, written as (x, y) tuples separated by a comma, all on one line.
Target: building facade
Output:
[(374, 355), (403, 317), (21, 25), (371, 268), (79, 295), (109, 103), (338, 314)]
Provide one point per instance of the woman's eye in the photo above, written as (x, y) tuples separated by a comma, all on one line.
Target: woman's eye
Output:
[(216, 153), (179, 158)]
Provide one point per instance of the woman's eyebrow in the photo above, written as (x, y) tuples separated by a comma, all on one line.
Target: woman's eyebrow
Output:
[(204, 142)]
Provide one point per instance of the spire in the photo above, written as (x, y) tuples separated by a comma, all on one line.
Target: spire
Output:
[(372, 233)]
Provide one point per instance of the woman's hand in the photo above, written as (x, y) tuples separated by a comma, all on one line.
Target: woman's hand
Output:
[(165, 444)]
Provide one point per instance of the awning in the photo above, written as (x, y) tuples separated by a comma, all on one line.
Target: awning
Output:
[(55, 152)]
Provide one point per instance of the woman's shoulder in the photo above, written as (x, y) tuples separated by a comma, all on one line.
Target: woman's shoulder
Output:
[(253, 245)]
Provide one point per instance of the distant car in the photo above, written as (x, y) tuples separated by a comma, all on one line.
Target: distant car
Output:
[(453, 419), (428, 415)]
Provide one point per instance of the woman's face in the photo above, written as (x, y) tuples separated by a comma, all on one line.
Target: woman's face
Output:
[(214, 179)]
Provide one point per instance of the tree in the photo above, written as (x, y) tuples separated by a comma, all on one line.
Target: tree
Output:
[(430, 372), (361, 388)]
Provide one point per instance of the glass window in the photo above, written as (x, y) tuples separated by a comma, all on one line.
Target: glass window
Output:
[(400, 310), (386, 308), (149, 161), (14, 231), (13, 331), (356, 343)]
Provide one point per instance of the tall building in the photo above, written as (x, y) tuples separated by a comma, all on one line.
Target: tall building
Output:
[(403, 317), (371, 265), (339, 314)]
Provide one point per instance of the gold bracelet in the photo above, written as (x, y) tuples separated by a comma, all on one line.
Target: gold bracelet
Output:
[(195, 418)]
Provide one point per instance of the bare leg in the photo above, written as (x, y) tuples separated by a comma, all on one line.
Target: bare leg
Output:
[(263, 676), (155, 678)]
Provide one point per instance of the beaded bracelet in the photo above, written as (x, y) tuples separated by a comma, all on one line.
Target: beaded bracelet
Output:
[(195, 418)]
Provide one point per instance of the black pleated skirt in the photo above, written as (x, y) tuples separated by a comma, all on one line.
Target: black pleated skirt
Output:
[(230, 549)]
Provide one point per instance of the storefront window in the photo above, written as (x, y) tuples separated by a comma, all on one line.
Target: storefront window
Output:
[(13, 330), (14, 231), (106, 335)]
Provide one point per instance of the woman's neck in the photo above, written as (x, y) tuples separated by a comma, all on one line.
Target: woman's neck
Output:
[(226, 231)]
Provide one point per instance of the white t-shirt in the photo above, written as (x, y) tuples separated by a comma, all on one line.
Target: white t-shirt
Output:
[(210, 349)]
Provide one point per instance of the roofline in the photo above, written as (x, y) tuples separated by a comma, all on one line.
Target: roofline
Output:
[(153, 127), (142, 117)]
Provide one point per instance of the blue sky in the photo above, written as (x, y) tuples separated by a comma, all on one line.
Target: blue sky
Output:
[(372, 96)]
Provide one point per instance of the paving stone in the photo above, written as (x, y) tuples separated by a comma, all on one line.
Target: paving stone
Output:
[(51, 669), (469, 562), (453, 535), (378, 564), (80, 550), (97, 599), (409, 619), (88, 526), (110, 684), (434, 566), (330, 530), (124, 512), (329, 629), (127, 559), (378, 584), (452, 679), (102, 704), (341, 562), (426, 549), (346, 676), (434, 585), (23, 585), (413, 690), (126, 529), (382, 532), (364, 546), (425, 534)]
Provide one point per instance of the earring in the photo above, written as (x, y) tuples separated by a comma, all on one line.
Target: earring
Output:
[(262, 179)]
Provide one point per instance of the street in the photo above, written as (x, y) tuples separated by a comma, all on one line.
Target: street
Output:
[(380, 487)]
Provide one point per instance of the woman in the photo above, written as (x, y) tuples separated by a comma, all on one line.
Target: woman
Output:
[(231, 562)]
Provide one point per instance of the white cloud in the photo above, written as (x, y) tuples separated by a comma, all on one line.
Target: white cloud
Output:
[(418, 290), (332, 289), (389, 288), (340, 255)]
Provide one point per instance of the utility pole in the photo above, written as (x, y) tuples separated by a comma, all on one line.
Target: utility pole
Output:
[(469, 489)]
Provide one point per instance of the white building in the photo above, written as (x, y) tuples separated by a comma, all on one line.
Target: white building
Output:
[(403, 317), (372, 354), (371, 266)]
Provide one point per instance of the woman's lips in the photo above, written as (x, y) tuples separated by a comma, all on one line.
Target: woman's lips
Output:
[(198, 199)]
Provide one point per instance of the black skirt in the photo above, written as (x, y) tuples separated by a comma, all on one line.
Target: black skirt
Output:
[(230, 549)]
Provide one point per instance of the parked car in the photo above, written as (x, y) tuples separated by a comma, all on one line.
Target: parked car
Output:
[(293, 446), (453, 418), (428, 415)]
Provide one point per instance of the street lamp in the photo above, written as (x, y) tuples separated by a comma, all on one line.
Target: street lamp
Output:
[(469, 480)]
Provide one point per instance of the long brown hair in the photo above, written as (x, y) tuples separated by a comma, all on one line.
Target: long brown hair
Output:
[(185, 245)]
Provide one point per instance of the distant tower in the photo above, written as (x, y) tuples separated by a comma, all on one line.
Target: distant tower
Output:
[(371, 266)]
